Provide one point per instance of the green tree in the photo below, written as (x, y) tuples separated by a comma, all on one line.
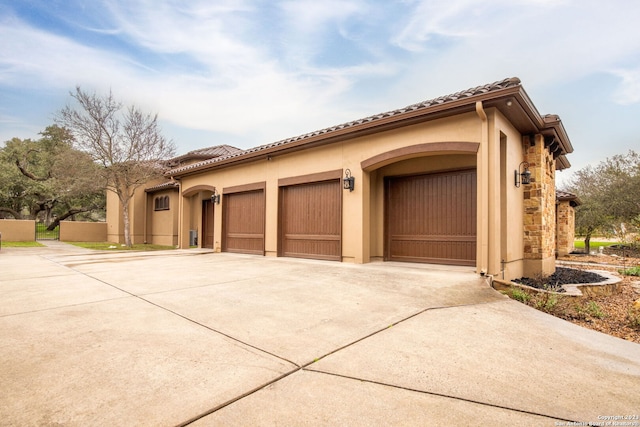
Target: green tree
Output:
[(592, 214), (14, 191), (609, 194), (126, 143), (622, 174), (48, 179)]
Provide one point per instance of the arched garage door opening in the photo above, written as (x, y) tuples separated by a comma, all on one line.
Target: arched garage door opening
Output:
[(431, 218)]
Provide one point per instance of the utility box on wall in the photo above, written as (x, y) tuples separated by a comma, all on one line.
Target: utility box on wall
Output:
[(193, 237)]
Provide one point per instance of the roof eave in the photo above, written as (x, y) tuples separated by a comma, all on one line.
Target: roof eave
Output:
[(386, 122), (512, 101)]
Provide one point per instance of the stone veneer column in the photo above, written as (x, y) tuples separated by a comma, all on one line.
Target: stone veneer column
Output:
[(565, 232), (539, 210)]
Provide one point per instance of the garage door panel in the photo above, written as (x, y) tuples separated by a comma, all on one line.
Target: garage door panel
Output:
[(432, 218), (310, 223), (434, 251), (246, 244), (244, 222)]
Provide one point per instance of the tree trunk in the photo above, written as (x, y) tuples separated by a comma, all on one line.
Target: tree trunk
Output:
[(48, 214), (126, 223), (587, 243), (12, 212), (71, 212)]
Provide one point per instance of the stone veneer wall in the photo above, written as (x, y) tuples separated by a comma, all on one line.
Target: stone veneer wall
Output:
[(539, 210), (565, 232)]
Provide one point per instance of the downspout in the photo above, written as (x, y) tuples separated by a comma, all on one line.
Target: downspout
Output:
[(483, 193)]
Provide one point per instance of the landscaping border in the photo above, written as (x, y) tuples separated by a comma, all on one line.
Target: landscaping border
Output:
[(606, 287)]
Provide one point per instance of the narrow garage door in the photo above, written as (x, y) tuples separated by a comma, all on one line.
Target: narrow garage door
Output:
[(207, 224), (310, 220), (243, 222), (432, 218)]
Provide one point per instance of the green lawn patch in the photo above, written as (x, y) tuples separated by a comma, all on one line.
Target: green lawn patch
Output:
[(109, 246), (32, 244), (43, 233), (579, 244)]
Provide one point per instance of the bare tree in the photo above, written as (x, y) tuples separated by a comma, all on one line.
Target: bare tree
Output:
[(127, 144)]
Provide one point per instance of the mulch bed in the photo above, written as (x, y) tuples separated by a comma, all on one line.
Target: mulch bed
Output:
[(610, 314), (562, 276)]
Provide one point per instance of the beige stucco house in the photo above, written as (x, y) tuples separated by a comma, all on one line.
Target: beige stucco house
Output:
[(464, 179), (154, 212)]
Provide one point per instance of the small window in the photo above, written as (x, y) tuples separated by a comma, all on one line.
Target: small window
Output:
[(161, 203)]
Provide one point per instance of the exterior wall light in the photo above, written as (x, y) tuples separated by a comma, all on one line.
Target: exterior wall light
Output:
[(522, 175), (215, 197), (348, 182)]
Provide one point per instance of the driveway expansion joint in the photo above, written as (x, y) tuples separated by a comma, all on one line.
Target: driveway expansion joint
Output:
[(237, 398), (139, 297), (446, 396), (193, 380)]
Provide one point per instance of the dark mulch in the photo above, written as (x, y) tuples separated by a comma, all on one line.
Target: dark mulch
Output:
[(562, 276)]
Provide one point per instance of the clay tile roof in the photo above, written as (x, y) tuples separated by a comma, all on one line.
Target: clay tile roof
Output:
[(205, 153), (215, 151), (163, 186), (453, 100), (562, 196)]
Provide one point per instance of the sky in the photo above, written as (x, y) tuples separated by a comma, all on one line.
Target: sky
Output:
[(252, 72)]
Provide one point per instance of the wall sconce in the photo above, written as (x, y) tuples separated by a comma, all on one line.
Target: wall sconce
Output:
[(348, 182), (523, 177), (215, 197)]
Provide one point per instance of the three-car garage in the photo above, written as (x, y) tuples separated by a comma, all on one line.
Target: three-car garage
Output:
[(428, 218)]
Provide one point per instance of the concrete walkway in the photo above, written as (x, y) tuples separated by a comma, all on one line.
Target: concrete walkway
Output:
[(189, 337)]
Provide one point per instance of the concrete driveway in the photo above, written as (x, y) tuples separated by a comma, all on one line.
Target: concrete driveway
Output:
[(193, 337)]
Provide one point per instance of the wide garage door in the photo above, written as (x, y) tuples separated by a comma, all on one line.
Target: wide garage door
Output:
[(431, 218), (310, 220), (243, 221)]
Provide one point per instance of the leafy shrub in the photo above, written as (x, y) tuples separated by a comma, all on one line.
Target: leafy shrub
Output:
[(519, 295), (595, 310), (547, 302), (634, 318), (633, 271), (591, 309)]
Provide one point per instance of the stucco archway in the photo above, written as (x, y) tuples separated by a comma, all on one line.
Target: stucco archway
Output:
[(197, 217), (421, 160), (196, 189), (419, 150)]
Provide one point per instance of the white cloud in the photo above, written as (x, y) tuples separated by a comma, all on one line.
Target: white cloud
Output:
[(458, 42), (239, 89), (628, 91), (208, 34), (261, 68), (441, 18), (37, 59), (304, 27)]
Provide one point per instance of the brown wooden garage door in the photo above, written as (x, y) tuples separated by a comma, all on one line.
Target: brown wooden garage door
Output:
[(310, 220), (431, 218), (243, 222), (207, 224)]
